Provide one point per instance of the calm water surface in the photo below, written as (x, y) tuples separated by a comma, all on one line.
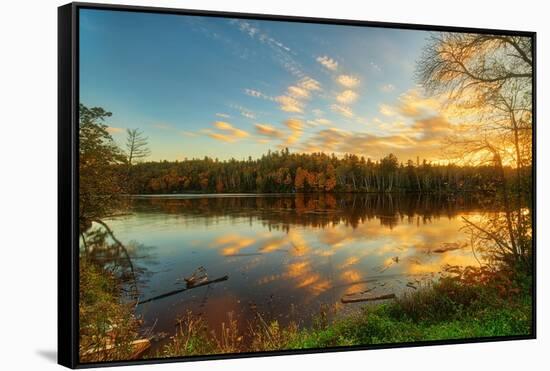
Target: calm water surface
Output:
[(287, 256)]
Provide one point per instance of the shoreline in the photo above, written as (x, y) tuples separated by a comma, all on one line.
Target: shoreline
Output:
[(288, 194)]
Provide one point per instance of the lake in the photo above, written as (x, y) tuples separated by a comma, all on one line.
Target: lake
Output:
[(287, 257)]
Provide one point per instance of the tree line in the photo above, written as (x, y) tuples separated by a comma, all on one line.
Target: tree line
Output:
[(286, 172)]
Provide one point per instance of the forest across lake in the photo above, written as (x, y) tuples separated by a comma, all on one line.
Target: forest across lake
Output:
[(285, 172)]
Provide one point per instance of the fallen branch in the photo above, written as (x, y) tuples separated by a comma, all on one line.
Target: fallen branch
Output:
[(174, 292), (367, 298)]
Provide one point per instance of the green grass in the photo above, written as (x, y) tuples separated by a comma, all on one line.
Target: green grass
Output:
[(378, 325), (453, 308), (107, 325), (475, 304)]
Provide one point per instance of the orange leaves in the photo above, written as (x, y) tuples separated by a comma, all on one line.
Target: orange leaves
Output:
[(300, 178), (312, 180)]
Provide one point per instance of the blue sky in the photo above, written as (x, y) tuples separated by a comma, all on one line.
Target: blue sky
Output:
[(220, 87)]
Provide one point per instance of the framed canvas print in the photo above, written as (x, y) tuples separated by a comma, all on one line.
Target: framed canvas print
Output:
[(236, 185)]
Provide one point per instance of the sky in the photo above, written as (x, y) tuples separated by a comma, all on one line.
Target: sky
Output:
[(234, 88)]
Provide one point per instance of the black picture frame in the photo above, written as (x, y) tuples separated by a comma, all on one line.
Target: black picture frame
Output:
[(68, 184)]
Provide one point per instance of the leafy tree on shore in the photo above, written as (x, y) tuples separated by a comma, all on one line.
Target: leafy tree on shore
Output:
[(99, 180)]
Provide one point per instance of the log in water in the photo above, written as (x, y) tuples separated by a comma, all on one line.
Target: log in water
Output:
[(174, 292), (367, 298)]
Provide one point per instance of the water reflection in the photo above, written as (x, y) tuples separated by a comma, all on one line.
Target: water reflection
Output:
[(288, 255)]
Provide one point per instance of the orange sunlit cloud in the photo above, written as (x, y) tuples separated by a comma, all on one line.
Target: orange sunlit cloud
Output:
[(226, 133), (348, 81), (268, 131)]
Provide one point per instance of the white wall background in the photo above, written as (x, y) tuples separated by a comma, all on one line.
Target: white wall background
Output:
[(28, 155)]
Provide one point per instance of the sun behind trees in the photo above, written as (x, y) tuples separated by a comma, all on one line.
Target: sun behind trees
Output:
[(489, 80)]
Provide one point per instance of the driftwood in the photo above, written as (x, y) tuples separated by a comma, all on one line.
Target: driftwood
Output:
[(174, 292), (367, 298), (138, 348)]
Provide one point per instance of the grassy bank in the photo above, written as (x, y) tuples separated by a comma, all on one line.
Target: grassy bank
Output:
[(471, 303), (107, 324), (467, 303), (387, 323)]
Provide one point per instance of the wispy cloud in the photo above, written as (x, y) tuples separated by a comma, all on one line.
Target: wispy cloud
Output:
[(387, 88), (269, 131), (226, 132), (243, 111), (345, 111), (289, 104), (318, 121), (296, 127), (290, 136), (298, 92), (200, 24), (413, 104), (248, 115), (417, 127), (348, 81), (309, 84), (163, 126), (253, 93), (386, 110), (281, 52), (256, 33), (375, 67), (328, 63), (114, 130), (323, 121), (294, 99), (188, 133), (347, 97), (257, 94)]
